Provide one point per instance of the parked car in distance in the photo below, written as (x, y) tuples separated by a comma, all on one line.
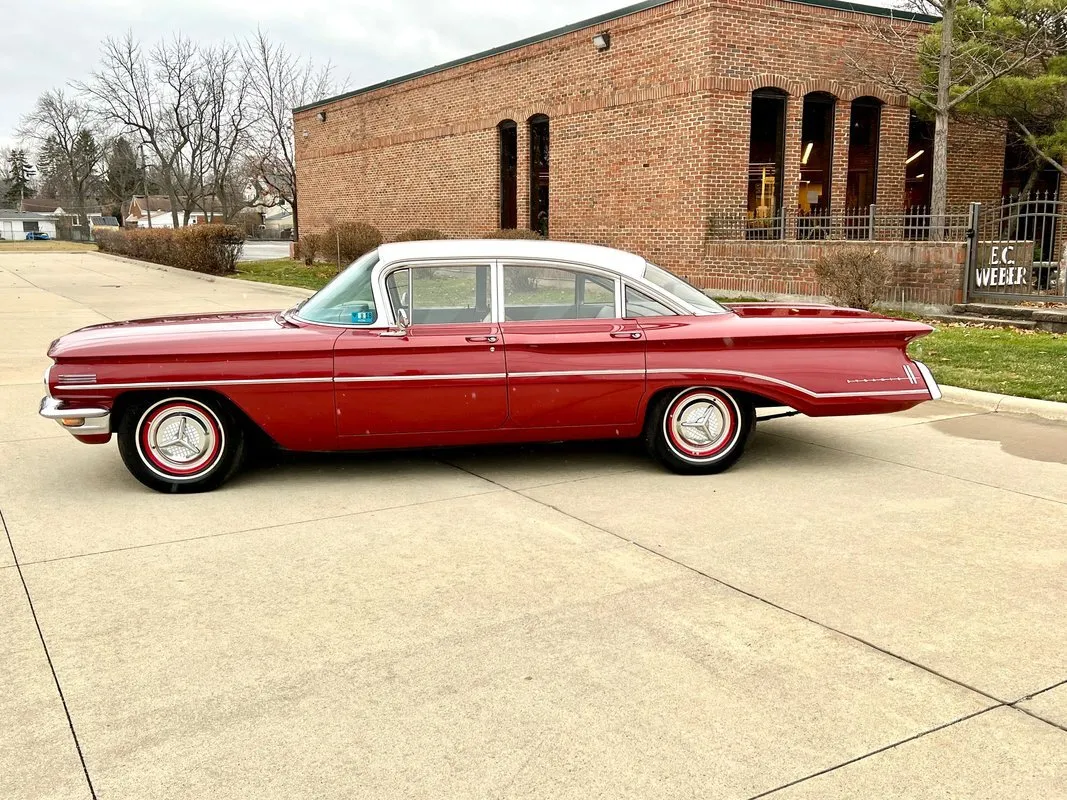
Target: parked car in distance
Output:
[(438, 343), (36, 235)]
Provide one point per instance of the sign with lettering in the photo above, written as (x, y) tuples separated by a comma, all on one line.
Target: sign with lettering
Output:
[(1003, 264)]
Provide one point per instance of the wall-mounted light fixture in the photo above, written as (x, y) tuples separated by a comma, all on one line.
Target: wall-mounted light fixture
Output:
[(914, 156), (807, 153), (602, 41), (322, 116), (305, 134)]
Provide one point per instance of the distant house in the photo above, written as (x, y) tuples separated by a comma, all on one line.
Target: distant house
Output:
[(155, 211), (16, 224)]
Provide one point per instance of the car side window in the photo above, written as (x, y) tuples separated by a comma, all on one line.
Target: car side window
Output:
[(639, 304), (555, 293), (441, 294)]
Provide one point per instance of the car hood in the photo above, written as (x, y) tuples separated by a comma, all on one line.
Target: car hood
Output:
[(164, 334)]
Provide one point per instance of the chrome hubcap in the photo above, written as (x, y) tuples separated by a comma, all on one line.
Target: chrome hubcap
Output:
[(182, 437), (701, 424)]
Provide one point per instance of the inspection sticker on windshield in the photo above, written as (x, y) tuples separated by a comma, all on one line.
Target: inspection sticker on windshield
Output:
[(363, 316)]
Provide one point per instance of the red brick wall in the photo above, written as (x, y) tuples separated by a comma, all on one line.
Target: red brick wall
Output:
[(647, 138)]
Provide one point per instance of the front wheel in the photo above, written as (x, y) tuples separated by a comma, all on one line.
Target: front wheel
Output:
[(180, 444), (700, 430)]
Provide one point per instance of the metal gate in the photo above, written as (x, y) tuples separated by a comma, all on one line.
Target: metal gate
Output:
[(1015, 251)]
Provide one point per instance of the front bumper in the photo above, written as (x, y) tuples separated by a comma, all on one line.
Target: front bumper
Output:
[(80, 420), (931, 384)]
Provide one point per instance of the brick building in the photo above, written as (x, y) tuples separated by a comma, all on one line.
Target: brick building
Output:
[(728, 140)]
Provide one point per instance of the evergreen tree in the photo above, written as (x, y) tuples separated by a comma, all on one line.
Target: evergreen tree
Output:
[(20, 176)]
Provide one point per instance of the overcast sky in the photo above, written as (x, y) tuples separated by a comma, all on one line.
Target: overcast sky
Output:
[(52, 42)]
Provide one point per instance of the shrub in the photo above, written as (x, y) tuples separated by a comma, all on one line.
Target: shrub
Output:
[(853, 277), (310, 246), (352, 239), (514, 233), (211, 249), (420, 235)]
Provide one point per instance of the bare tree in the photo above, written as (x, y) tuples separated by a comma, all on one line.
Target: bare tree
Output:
[(187, 105), (971, 47), (280, 82), (62, 127)]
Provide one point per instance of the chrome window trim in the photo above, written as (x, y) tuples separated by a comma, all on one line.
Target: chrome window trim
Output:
[(656, 294), (396, 266), (601, 272), (386, 317)]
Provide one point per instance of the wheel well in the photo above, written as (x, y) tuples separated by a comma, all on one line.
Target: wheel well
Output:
[(126, 400), (752, 399)]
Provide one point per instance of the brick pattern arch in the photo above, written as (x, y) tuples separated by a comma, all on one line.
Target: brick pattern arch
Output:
[(821, 85), (768, 81), (875, 91)]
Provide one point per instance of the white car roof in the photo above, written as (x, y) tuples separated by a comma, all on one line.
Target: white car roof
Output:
[(605, 257)]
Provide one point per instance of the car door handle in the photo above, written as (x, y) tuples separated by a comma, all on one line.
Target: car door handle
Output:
[(626, 335), (490, 339)]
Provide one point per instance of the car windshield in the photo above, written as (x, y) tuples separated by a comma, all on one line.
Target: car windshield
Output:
[(346, 300), (681, 289)]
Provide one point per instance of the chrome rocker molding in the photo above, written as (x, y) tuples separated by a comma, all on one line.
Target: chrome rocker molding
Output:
[(94, 420)]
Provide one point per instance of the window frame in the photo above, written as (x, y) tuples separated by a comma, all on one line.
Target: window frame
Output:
[(644, 290), (442, 263), (569, 266)]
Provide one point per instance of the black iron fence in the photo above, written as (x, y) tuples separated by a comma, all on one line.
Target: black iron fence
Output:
[(871, 223)]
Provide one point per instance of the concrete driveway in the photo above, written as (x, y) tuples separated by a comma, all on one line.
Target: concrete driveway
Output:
[(866, 607)]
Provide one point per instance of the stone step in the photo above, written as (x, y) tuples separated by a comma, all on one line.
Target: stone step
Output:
[(993, 310), (992, 322)]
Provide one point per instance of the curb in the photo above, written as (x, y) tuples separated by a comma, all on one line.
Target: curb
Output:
[(291, 291), (1005, 403)]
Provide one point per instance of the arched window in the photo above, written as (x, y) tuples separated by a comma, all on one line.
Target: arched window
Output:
[(539, 162), (509, 163), (816, 160), (766, 163), (863, 134)]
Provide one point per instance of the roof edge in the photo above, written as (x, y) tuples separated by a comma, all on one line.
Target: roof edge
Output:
[(837, 5)]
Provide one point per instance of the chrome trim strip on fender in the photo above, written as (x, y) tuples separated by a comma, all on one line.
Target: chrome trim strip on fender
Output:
[(680, 371), (186, 384), (565, 373), (931, 384), (787, 384), (471, 376)]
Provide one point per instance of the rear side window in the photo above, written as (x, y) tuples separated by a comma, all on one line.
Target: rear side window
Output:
[(556, 293)]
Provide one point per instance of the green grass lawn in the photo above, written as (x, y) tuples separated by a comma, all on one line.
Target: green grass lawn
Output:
[(287, 272), (1022, 363)]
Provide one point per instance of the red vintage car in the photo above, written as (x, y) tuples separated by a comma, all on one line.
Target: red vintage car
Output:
[(468, 342)]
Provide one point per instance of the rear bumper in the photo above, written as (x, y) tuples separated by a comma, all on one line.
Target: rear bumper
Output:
[(931, 384), (83, 420)]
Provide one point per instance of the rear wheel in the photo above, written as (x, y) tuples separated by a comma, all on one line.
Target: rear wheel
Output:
[(700, 430), (180, 444)]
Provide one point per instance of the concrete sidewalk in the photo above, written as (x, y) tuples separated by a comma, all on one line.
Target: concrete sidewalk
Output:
[(863, 607)]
